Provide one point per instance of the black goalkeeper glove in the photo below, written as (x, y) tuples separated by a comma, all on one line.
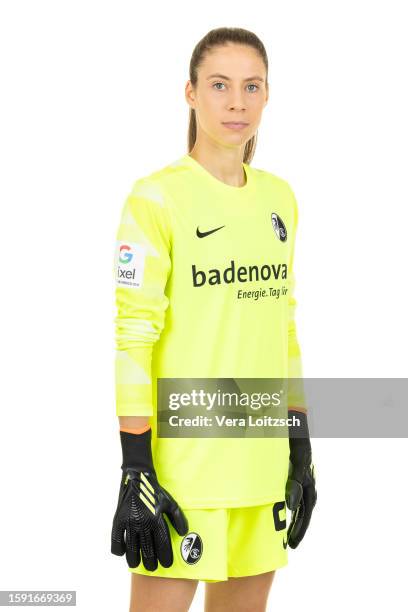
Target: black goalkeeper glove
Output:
[(141, 507), (301, 494)]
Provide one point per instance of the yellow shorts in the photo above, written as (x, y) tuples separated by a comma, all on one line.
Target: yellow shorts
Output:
[(227, 542)]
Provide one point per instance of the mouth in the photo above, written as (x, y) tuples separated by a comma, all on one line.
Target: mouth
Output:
[(235, 125)]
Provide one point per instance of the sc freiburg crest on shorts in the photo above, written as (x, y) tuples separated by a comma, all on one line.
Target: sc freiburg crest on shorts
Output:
[(279, 227), (191, 548)]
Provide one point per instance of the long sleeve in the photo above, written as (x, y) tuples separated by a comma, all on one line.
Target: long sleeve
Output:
[(296, 395), (142, 267)]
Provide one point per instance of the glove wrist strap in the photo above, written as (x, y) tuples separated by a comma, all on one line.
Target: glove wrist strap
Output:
[(299, 441), (137, 451)]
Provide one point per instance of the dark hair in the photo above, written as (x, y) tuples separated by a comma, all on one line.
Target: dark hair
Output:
[(214, 38)]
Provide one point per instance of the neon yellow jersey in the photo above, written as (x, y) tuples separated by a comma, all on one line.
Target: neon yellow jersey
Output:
[(180, 315)]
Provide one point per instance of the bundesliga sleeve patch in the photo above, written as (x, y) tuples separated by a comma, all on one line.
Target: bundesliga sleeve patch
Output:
[(129, 264)]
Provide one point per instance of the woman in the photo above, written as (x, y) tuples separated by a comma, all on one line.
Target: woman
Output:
[(204, 288)]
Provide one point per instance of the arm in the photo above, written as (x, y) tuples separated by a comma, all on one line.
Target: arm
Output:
[(132, 423), (296, 396), (142, 267), (301, 495)]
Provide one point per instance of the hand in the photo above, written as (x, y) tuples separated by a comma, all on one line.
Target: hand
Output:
[(140, 513), (301, 497), (142, 504)]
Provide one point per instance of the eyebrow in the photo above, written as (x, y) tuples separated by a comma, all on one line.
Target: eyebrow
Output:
[(222, 76)]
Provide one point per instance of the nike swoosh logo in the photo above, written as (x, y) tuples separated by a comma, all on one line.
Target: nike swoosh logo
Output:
[(203, 234), (285, 544)]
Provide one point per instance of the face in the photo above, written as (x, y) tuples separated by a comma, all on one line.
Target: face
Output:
[(230, 88)]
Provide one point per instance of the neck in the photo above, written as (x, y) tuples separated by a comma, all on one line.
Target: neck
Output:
[(224, 164)]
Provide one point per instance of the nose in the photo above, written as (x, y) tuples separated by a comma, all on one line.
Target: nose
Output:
[(236, 100)]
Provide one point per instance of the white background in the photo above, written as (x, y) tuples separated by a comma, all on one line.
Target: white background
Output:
[(92, 99)]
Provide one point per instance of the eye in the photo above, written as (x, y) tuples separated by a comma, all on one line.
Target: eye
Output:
[(250, 85)]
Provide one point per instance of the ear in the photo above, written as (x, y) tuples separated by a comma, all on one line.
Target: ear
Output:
[(189, 94)]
